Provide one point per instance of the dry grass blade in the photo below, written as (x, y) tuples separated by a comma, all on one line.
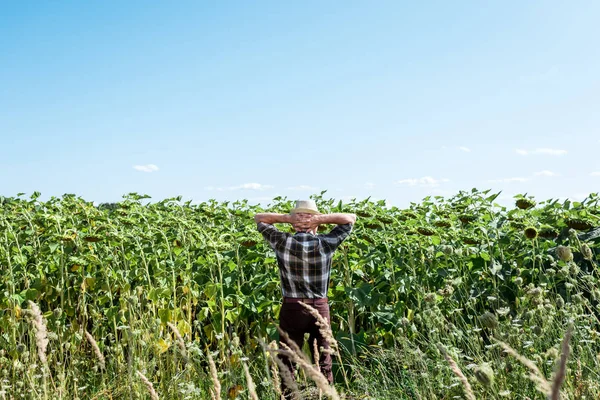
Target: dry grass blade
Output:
[(250, 382), (149, 386), (289, 344), (454, 367), (536, 376), (270, 352), (561, 371), (180, 342), (327, 334), (311, 371), (324, 328), (99, 355), (316, 353), (287, 377), (274, 368), (41, 334), (213, 375)]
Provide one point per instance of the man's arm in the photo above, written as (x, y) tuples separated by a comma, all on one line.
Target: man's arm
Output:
[(314, 221), (273, 218), (344, 223), (336, 218)]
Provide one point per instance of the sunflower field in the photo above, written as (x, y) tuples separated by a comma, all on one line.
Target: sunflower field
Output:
[(455, 297)]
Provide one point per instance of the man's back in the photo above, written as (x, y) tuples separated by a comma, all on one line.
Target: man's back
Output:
[(304, 259)]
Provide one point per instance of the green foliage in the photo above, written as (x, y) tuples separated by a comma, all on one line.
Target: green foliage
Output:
[(457, 271)]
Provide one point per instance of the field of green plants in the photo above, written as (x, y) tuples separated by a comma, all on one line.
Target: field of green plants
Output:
[(451, 298)]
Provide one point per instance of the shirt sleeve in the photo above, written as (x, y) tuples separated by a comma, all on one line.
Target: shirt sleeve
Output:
[(337, 235), (272, 235)]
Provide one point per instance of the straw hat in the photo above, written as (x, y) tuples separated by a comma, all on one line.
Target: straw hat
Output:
[(305, 206)]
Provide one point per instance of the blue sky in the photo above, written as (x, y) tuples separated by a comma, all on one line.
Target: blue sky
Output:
[(390, 99)]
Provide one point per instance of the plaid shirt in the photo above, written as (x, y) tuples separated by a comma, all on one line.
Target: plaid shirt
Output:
[(304, 259)]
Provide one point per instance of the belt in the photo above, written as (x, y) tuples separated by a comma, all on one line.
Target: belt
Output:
[(304, 300)]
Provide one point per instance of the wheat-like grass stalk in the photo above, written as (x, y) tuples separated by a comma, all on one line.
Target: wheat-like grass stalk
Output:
[(99, 355), (180, 341), (535, 376), (295, 353), (316, 353), (287, 377), (561, 371), (270, 352), (149, 386), (327, 334), (313, 373), (579, 380), (41, 333), (324, 328), (250, 382), (455, 368), (213, 375), (274, 369), (275, 378), (289, 344), (316, 356)]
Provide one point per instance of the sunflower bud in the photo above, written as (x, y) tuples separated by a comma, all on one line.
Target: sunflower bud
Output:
[(518, 281), (564, 253), (484, 374), (430, 298), (574, 269), (552, 353), (488, 320), (577, 298), (586, 252), (447, 250), (534, 291)]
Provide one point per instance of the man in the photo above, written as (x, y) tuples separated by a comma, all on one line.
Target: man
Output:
[(304, 260)]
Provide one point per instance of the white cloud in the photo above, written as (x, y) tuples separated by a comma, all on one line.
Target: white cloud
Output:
[(252, 186), (260, 199), (509, 180), (544, 151), (245, 186), (426, 181), (461, 148), (305, 188), (369, 185), (550, 152), (546, 173), (146, 168), (596, 173)]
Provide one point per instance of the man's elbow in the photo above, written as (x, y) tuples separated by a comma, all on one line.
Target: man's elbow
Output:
[(352, 218)]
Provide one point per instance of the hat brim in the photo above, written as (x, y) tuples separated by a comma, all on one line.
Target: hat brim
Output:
[(305, 211)]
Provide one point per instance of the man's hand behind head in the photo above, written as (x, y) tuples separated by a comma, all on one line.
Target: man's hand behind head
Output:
[(304, 222)]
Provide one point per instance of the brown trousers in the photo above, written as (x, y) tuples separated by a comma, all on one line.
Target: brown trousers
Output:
[(295, 320)]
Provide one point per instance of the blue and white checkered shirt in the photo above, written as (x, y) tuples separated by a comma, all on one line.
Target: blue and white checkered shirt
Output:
[(304, 259)]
